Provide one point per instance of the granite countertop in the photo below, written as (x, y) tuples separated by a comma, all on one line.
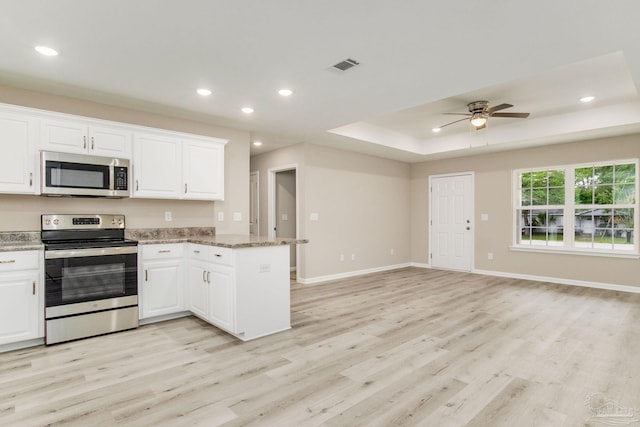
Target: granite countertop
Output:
[(30, 240), (206, 236), (20, 241)]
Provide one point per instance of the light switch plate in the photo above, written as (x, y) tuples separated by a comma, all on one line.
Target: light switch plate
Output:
[(314, 216), (484, 217), (220, 216), (237, 216)]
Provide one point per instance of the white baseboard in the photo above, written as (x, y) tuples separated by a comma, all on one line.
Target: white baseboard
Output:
[(560, 281), (320, 279), (583, 283), (420, 265)]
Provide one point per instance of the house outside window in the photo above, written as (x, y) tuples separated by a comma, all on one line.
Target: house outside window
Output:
[(585, 208)]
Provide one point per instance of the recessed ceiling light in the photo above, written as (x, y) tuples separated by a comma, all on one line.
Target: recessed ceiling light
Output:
[(247, 110), (586, 99), (47, 51), (257, 143), (436, 130), (203, 92), (285, 92)]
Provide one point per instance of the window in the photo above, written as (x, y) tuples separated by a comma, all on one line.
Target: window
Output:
[(589, 208)]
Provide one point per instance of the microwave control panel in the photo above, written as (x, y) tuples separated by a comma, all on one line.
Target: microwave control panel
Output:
[(120, 178)]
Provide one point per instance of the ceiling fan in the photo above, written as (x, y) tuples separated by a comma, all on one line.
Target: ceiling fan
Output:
[(479, 112)]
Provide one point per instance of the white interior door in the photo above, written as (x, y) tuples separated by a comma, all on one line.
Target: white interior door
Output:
[(452, 222)]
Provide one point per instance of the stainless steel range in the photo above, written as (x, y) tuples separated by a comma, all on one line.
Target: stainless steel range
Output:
[(91, 278)]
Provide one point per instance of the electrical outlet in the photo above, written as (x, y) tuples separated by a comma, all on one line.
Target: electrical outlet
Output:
[(490, 256), (341, 257), (168, 216), (237, 216), (353, 257), (392, 251)]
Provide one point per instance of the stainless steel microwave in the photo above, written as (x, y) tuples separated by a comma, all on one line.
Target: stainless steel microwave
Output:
[(63, 174)]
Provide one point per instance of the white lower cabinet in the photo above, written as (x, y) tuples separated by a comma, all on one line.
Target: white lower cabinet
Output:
[(243, 291), (198, 288), (221, 297), (21, 299), (161, 282)]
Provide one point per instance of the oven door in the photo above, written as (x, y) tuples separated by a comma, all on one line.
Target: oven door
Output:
[(74, 276)]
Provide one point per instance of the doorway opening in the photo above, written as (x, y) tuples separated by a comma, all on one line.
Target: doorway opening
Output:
[(283, 208), (254, 203)]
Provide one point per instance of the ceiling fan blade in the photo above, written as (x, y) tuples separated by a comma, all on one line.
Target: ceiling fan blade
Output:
[(456, 121), (458, 114), (492, 110), (512, 115)]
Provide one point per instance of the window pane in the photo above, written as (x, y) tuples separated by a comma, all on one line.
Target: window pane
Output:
[(526, 197), (584, 195), (539, 179), (556, 178), (624, 194), (623, 229), (603, 195), (525, 226), (603, 175), (539, 196), (625, 174), (525, 180), (584, 177), (584, 227), (556, 196)]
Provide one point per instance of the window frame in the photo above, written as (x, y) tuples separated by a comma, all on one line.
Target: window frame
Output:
[(569, 209)]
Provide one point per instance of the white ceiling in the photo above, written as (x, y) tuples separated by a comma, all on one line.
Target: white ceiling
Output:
[(418, 60)]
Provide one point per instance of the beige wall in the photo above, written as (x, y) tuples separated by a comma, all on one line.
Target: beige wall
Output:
[(362, 202), (22, 212), (493, 197)]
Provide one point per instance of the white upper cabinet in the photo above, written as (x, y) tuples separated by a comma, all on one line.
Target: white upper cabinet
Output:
[(203, 170), (157, 166), (18, 159), (69, 136), (170, 167)]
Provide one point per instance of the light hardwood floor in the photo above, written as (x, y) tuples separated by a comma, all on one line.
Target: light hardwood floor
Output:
[(406, 347)]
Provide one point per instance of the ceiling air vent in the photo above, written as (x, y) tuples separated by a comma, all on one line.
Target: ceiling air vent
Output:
[(346, 64)]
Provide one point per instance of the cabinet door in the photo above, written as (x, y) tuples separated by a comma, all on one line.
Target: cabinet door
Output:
[(110, 142), (198, 289), (64, 136), (221, 297), (157, 166), (162, 291), (18, 162), (203, 170), (18, 307)]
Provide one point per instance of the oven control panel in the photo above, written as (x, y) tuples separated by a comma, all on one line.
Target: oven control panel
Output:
[(80, 222)]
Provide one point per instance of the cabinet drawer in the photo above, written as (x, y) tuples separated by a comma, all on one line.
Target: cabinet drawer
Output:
[(200, 252), (222, 255), (163, 251), (20, 260)]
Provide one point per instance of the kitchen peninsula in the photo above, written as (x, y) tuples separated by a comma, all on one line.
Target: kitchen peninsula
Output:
[(238, 283)]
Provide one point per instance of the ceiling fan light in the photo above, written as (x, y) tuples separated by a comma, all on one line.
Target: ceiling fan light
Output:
[(478, 120)]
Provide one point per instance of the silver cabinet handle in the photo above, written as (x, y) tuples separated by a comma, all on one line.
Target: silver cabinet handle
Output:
[(136, 185), (33, 288), (185, 188), (218, 255), (11, 261), (146, 275), (92, 144), (204, 276), (208, 277), (30, 179), (196, 252), (84, 143), (166, 251)]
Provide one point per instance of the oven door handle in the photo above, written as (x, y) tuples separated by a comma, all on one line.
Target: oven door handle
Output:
[(78, 253)]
